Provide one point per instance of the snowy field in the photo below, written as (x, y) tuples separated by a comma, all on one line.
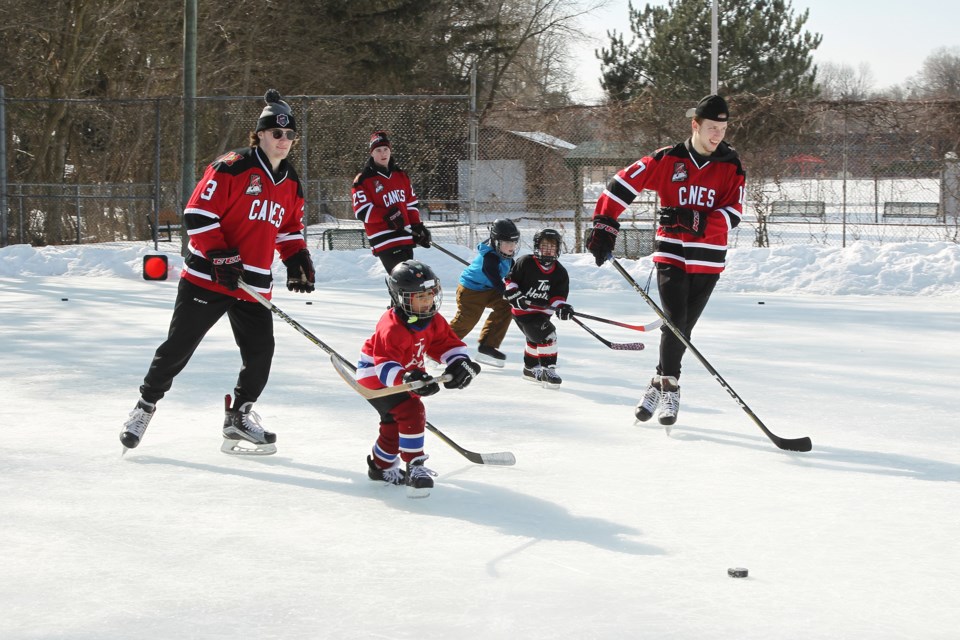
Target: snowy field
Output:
[(603, 529)]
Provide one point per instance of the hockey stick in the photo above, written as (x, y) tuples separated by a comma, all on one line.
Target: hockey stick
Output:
[(789, 444), (346, 372), (618, 346), (504, 458), (449, 253), (636, 327)]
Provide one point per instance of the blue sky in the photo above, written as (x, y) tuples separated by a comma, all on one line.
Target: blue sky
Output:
[(892, 37)]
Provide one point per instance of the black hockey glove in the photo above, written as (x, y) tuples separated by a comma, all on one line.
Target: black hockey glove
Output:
[(516, 299), (300, 273), (676, 219), (428, 389), (227, 267), (564, 311), (602, 238), (393, 218), (462, 372), (421, 235)]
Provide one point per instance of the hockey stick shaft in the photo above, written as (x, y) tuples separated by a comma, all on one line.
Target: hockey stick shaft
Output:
[(500, 458), (618, 346), (449, 253), (789, 444), (346, 372), (635, 327)]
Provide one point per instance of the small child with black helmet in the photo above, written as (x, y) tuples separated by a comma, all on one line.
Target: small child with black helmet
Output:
[(536, 288), (481, 287), (408, 332)]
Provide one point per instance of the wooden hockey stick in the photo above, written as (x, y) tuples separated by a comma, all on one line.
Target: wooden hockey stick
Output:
[(346, 372)]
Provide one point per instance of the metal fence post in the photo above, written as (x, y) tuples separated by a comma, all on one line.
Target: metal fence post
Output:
[(3, 168)]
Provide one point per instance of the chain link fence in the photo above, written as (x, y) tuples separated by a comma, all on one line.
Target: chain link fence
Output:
[(80, 171)]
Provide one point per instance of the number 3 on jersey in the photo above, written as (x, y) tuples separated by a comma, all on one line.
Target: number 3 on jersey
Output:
[(207, 193)]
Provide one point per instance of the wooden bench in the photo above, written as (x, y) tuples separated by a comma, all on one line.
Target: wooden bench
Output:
[(899, 210), (341, 239), (168, 224), (444, 211), (798, 209)]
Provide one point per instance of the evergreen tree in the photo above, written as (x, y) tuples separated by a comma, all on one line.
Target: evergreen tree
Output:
[(763, 49)]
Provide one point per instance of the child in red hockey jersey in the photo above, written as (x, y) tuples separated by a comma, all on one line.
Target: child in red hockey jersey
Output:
[(406, 334)]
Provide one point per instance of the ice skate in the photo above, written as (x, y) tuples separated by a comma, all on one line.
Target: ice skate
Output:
[(392, 475), (419, 479), (650, 402), (243, 434), (533, 374), (670, 401), (491, 356), (550, 378), (136, 425)]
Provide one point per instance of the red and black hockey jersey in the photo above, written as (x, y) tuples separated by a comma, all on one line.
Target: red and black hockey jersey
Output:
[(397, 347), (375, 190), (241, 204), (683, 178), (544, 288)]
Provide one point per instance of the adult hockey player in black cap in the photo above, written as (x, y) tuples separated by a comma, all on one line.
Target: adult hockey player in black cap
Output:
[(700, 183), (247, 205)]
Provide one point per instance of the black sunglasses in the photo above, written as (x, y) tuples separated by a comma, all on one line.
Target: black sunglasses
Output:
[(277, 134)]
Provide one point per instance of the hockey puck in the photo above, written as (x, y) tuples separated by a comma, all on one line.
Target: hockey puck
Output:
[(737, 572), (761, 302), (309, 302), (64, 299)]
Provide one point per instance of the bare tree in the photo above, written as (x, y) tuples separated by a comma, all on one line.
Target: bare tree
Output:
[(839, 81), (939, 76)]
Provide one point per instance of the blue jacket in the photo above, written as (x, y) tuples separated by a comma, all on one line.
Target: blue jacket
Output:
[(487, 270)]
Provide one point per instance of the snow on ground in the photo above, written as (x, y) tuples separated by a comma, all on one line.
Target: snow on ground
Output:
[(603, 529)]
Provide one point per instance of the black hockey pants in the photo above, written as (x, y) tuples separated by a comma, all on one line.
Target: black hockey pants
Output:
[(195, 311), (683, 297)]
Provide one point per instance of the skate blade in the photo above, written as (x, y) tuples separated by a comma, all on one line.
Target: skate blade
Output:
[(416, 494), (487, 360), (550, 385), (244, 448)]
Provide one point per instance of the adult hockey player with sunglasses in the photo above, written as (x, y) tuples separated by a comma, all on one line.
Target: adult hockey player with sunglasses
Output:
[(700, 183), (384, 201), (247, 205), (411, 330)]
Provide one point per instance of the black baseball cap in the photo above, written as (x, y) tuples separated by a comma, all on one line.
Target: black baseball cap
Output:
[(712, 107)]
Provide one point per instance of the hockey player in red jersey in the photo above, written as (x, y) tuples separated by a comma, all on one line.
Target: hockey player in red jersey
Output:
[(700, 183), (406, 334), (384, 201), (247, 205), (537, 286)]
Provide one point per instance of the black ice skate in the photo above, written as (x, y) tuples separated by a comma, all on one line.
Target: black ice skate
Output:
[(669, 401), (419, 481), (533, 374), (550, 378), (243, 434), (650, 402), (491, 356), (393, 475), (136, 425)]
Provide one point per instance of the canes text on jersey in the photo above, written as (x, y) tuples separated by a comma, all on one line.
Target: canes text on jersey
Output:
[(267, 210), (696, 196)]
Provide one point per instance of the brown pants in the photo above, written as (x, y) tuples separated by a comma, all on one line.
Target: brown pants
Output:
[(470, 306)]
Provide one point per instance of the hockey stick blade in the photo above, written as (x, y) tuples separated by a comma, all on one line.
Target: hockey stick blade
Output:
[(617, 346)]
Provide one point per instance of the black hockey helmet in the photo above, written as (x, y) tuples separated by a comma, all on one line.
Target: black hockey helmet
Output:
[(503, 229), (411, 277), (546, 234)]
